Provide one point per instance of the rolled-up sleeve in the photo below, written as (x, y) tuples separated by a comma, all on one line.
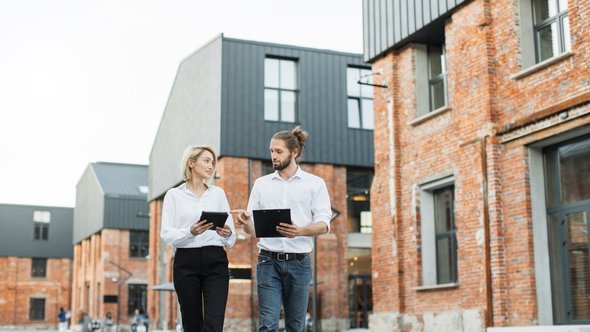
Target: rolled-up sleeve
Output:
[(168, 232), (321, 209)]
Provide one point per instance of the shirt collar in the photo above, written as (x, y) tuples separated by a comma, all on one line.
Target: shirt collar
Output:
[(299, 173), (184, 188)]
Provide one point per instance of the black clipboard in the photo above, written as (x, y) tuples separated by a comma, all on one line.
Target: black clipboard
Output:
[(217, 218), (266, 221)]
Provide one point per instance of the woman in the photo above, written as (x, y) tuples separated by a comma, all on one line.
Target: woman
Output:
[(201, 275)]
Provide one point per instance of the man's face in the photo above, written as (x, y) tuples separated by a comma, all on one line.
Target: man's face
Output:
[(280, 155)]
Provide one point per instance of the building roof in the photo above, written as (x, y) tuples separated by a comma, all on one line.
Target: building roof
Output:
[(122, 180)]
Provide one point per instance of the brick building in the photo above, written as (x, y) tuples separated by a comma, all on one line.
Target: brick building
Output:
[(35, 264), (110, 237), (481, 193), (233, 95)]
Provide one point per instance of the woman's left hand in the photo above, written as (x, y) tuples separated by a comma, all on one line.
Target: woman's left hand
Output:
[(224, 232)]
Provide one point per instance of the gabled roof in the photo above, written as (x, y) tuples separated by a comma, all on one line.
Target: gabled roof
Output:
[(122, 180)]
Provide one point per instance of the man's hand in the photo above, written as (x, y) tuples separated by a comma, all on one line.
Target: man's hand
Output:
[(242, 218), (200, 227), (288, 230)]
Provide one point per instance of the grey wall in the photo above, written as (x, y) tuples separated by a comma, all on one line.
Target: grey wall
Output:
[(17, 231), (88, 214), (322, 104), (392, 23), (126, 213), (191, 117)]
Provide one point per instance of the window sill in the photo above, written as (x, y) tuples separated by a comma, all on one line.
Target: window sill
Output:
[(430, 115), (436, 287), (541, 65)]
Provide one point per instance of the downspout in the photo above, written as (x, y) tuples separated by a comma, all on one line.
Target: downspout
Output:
[(486, 225)]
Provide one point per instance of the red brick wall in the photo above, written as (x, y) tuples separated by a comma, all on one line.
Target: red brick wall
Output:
[(236, 175), (17, 287), (483, 55)]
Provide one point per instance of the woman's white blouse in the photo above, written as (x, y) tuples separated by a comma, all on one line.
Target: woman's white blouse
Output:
[(182, 208)]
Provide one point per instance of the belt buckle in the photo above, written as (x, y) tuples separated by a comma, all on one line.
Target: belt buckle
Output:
[(284, 255)]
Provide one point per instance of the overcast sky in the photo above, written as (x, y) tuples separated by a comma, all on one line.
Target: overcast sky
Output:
[(83, 81)]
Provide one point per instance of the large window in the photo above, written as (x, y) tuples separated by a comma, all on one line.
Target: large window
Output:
[(136, 297), (567, 168), (552, 28), (41, 227), (280, 90), (37, 309), (438, 233), (138, 244), (358, 193), (437, 74), (39, 267), (360, 98)]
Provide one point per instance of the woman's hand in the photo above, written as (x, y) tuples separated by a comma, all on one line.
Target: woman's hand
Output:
[(200, 227), (224, 232)]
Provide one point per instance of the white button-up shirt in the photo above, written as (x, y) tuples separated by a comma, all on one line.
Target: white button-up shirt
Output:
[(307, 197), (182, 208)]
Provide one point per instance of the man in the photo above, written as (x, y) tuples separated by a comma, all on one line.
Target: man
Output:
[(283, 271)]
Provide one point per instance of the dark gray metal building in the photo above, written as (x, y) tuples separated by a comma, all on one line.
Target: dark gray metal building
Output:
[(221, 98), (111, 195), (36, 231), (392, 24)]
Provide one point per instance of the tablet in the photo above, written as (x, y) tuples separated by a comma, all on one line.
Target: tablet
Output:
[(217, 218), (266, 221)]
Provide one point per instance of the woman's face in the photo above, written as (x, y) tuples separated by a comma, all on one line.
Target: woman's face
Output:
[(203, 167)]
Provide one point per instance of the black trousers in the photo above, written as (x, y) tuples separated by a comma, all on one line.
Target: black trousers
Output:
[(201, 280)]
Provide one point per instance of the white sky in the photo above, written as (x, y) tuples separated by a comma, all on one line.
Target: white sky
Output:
[(87, 80)]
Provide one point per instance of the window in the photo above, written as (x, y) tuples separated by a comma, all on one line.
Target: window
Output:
[(39, 267), (551, 27), (360, 98), (240, 273), (36, 309), (136, 297), (138, 244), (438, 233), (41, 220), (431, 78), (358, 189), (280, 90)]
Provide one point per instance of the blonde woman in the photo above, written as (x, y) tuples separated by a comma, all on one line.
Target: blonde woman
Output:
[(201, 275)]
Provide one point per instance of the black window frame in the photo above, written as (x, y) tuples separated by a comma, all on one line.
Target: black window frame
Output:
[(558, 18), (136, 297), (359, 98), (37, 309), (280, 90), (139, 244), (38, 267), (448, 235)]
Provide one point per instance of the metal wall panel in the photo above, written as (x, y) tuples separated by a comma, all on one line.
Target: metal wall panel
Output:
[(17, 232), (191, 116), (88, 213), (126, 213), (322, 104), (402, 21)]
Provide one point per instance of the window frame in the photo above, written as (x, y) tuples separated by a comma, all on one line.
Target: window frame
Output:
[(138, 300), (279, 90), (38, 271), (139, 243), (359, 98), (442, 77), (539, 26), (429, 237), (37, 313), (41, 221), (424, 81)]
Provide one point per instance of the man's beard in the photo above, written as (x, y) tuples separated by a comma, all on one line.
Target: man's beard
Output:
[(281, 166)]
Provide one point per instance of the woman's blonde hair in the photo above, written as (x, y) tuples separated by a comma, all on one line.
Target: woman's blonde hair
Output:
[(193, 153)]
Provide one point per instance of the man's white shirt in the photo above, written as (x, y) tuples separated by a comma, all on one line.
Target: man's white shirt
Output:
[(182, 208), (307, 197)]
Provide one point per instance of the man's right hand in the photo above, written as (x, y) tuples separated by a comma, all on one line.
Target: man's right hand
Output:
[(242, 218)]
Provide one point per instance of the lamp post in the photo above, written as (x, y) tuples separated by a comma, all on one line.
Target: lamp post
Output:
[(314, 293)]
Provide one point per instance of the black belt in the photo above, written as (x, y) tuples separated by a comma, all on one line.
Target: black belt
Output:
[(283, 256)]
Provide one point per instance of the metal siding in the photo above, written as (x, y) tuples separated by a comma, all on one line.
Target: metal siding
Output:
[(88, 213), (403, 19), (126, 213), (321, 78), (17, 225), (191, 117), (121, 179)]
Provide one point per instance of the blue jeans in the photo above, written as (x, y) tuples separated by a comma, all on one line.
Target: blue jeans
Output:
[(286, 282)]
